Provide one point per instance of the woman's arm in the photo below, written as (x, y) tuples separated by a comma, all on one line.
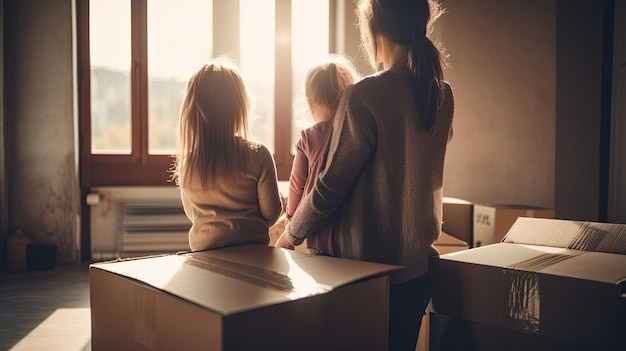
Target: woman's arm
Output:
[(352, 142)]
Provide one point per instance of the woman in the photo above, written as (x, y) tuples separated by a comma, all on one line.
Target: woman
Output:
[(384, 171)]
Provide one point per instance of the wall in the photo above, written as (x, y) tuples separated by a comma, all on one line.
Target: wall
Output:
[(4, 213), (502, 70), (40, 133), (617, 189), (582, 165)]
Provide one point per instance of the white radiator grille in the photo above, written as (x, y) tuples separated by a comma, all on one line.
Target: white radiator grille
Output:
[(151, 228)]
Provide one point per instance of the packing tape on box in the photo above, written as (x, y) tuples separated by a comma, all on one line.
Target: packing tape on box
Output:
[(145, 318), (523, 301), (524, 291)]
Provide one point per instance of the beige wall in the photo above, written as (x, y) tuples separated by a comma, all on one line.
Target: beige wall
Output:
[(503, 74), (43, 197), (4, 211), (617, 189)]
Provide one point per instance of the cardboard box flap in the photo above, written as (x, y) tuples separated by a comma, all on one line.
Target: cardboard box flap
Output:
[(506, 206), (454, 200), (592, 266), (241, 278), (446, 239), (576, 235), (331, 271)]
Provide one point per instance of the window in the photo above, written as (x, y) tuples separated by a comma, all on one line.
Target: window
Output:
[(135, 57)]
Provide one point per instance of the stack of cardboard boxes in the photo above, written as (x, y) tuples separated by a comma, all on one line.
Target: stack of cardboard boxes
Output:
[(480, 224), (468, 225)]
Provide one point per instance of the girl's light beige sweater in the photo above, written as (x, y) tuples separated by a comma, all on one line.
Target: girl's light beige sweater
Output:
[(237, 210)]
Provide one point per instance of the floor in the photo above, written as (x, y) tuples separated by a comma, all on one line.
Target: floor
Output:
[(46, 309)]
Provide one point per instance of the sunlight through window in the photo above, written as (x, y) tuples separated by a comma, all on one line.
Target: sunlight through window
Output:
[(303, 283), (309, 46), (110, 56), (257, 64), (141, 54), (179, 42)]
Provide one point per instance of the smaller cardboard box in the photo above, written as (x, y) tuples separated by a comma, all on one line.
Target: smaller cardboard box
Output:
[(447, 243), (250, 297), (458, 218), (492, 222)]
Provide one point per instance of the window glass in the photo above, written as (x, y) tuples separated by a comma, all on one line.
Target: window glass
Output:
[(257, 28), (309, 46), (179, 42), (110, 54)]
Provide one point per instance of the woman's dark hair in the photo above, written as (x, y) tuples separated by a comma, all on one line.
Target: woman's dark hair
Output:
[(409, 23)]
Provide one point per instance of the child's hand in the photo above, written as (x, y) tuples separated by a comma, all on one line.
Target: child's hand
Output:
[(283, 242)]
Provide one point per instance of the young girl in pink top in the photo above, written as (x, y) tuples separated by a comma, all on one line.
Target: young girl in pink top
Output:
[(323, 86)]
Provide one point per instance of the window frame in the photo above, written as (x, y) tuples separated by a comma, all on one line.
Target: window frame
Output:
[(139, 168)]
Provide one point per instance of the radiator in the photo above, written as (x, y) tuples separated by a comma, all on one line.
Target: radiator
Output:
[(154, 227)]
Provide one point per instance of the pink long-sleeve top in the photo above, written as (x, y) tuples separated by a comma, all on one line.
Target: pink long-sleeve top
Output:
[(309, 161)]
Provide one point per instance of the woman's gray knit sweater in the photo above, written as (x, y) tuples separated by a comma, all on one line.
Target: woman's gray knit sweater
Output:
[(384, 173)]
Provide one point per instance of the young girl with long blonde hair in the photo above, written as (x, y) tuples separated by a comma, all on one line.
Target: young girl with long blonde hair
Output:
[(227, 182)]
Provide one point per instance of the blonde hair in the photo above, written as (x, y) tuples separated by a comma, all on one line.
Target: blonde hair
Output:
[(409, 23), (213, 124), (325, 83)]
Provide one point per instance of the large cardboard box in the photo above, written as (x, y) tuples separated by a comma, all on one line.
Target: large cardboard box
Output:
[(239, 298), (561, 298), (458, 218), (492, 222)]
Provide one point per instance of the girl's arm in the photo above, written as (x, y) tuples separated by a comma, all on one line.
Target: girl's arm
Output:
[(267, 187), (297, 179)]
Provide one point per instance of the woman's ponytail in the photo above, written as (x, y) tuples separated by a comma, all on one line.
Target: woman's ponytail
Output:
[(426, 65), (410, 23)]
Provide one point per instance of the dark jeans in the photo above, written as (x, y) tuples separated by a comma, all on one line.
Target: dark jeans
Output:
[(407, 305)]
